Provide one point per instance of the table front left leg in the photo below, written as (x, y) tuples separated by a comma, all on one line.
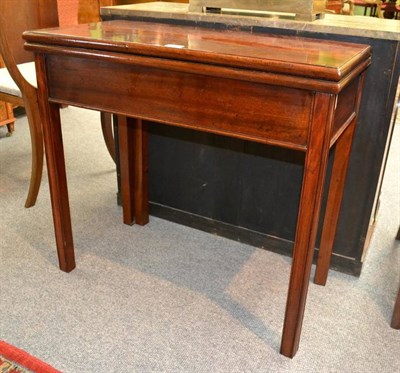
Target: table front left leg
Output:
[(54, 150), (307, 221)]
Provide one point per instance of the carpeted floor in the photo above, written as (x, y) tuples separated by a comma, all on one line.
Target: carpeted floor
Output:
[(167, 298)]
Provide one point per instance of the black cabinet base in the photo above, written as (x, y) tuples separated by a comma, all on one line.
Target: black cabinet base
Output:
[(253, 238), (263, 241)]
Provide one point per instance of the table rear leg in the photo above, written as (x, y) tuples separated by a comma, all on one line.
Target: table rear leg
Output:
[(335, 195), (133, 153), (141, 187), (336, 188)]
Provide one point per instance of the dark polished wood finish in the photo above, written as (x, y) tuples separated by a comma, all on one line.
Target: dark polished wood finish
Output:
[(108, 135), (134, 169), (56, 171), (336, 189), (289, 92)]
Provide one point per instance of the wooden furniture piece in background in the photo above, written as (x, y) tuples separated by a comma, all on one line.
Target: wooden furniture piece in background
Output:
[(334, 5), (7, 117), (16, 17), (367, 5), (127, 2), (347, 7), (89, 10), (340, 6), (190, 77), (6, 111), (388, 9), (380, 8)]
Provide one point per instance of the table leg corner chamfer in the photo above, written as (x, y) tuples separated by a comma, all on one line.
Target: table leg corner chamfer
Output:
[(219, 82)]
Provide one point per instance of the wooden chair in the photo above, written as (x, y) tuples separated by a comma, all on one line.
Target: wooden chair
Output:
[(18, 79), (347, 7), (367, 4), (340, 7), (388, 9)]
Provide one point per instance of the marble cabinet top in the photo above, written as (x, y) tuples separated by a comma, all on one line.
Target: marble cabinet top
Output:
[(363, 26)]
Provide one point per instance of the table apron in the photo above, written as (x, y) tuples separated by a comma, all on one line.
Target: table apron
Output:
[(249, 110)]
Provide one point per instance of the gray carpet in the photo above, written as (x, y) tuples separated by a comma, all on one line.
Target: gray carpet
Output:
[(167, 298)]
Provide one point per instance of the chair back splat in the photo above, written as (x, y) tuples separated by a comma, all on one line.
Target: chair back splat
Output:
[(22, 15)]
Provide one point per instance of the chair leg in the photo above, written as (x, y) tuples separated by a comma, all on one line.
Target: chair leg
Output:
[(10, 128), (106, 126), (35, 128)]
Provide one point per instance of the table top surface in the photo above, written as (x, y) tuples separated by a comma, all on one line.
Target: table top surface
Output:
[(366, 27), (294, 55)]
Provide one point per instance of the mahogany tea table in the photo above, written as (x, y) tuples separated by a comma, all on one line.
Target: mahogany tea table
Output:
[(296, 93)]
